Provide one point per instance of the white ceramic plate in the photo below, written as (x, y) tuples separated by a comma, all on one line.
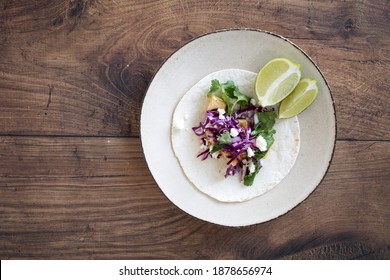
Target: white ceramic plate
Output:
[(249, 50)]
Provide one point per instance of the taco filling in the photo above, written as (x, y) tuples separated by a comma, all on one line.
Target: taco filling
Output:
[(236, 129)]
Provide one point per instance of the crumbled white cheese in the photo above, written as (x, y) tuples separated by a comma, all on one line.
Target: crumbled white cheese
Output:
[(261, 143), (221, 113), (250, 152), (253, 102), (252, 167), (233, 132)]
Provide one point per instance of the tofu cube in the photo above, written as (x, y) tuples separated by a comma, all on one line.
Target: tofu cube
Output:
[(216, 103), (243, 123)]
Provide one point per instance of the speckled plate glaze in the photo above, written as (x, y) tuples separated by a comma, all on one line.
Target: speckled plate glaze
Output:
[(246, 49)]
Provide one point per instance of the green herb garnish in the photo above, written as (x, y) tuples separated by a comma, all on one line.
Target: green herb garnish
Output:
[(224, 138), (229, 93)]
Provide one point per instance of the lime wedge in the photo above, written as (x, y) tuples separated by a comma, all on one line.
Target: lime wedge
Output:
[(276, 80), (301, 98)]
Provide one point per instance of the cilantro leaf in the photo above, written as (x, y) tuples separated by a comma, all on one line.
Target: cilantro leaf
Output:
[(224, 138), (230, 94), (264, 128), (248, 179), (266, 120), (260, 154), (227, 94), (229, 87), (230, 102), (214, 88), (216, 148), (242, 99)]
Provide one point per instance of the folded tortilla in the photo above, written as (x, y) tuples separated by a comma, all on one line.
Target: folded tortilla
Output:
[(208, 175)]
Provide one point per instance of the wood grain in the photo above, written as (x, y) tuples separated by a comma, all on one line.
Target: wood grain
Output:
[(94, 59), (74, 183), (110, 207)]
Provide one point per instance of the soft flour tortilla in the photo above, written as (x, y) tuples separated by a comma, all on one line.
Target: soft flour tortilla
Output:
[(208, 175)]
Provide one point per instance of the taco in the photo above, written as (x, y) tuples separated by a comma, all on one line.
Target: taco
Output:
[(207, 163)]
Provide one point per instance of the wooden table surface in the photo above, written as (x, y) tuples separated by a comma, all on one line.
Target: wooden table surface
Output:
[(74, 183)]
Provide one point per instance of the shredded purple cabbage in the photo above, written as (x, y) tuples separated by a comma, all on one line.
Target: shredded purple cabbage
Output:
[(212, 127)]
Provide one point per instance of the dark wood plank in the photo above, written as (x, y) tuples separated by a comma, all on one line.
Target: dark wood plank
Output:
[(82, 67), (94, 198)]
